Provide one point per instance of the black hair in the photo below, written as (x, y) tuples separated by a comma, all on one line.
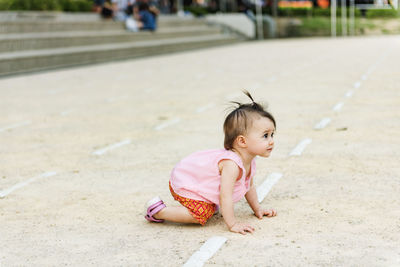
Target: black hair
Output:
[(241, 118)]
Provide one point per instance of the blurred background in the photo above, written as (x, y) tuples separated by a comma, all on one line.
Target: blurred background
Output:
[(46, 34)]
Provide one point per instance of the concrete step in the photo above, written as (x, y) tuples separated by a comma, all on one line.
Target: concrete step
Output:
[(45, 26), (37, 60), (48, 16), (32, 41), (101, 25)]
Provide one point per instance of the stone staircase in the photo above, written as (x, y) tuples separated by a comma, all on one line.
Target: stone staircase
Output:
[(34, 41)]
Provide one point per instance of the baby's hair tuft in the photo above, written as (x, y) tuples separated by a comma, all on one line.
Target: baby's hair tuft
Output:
[(240, 119)]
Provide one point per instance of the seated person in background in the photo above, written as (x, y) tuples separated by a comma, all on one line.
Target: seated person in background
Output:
[(121, 9), (106, 10), (98, 5), (153, 8), (146, 18)]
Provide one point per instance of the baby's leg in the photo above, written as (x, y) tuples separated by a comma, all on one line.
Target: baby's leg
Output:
[(176, 214)]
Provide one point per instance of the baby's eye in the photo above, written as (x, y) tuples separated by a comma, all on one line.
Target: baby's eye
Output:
[(272, 135), (266, 135)]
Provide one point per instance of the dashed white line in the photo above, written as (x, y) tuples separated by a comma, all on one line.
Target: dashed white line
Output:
[(167, 123), (16, 125), (6, 192), (322, 124), (265, 187), (372, 68), (206, 251), (357, 85), (204, 108), (349, 93), (338, 106), (300, 147), (110, 147)]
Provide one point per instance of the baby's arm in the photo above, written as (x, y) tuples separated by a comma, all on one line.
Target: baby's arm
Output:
[(229, 173), (252, 199)]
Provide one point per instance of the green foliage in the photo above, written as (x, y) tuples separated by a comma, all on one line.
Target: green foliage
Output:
[(48, 5), (29, 5), (320, 26), (4, 5), (314, 26), (382, 13), (321, 12), (76, 5), (307, 12), (369, 25), (197, 11), (315, 12), (294, 12)]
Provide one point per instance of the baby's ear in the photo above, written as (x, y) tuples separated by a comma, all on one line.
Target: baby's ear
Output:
[(241, 141)]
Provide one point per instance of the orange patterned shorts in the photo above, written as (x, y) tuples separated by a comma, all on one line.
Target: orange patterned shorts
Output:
[(200, 210)]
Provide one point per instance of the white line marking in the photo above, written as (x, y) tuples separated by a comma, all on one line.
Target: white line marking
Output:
[(322, 124), (206, 251), (357, 84), (104, 150), (16, 125), (338, 106), (67, 112), (349, 93), (262, 190), (204, 108), (300, 147), (167, 123), (6, 192)]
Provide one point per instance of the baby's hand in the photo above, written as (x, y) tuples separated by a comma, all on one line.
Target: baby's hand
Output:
[(241, 228), (262, 212)]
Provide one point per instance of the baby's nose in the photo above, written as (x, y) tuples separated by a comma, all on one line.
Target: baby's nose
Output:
[(271, 141)]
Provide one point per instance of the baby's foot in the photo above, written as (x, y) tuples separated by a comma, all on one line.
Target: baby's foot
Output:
[(154, 206)]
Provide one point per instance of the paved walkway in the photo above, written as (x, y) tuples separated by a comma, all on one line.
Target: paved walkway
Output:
[(82, 150)]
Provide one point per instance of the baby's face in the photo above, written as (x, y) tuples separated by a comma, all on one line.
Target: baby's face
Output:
[(259, 138)]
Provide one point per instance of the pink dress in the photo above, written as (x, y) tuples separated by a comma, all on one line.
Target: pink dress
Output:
[(197, 176)]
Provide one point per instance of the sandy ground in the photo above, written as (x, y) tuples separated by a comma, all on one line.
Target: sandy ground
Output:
[(338, 202)]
